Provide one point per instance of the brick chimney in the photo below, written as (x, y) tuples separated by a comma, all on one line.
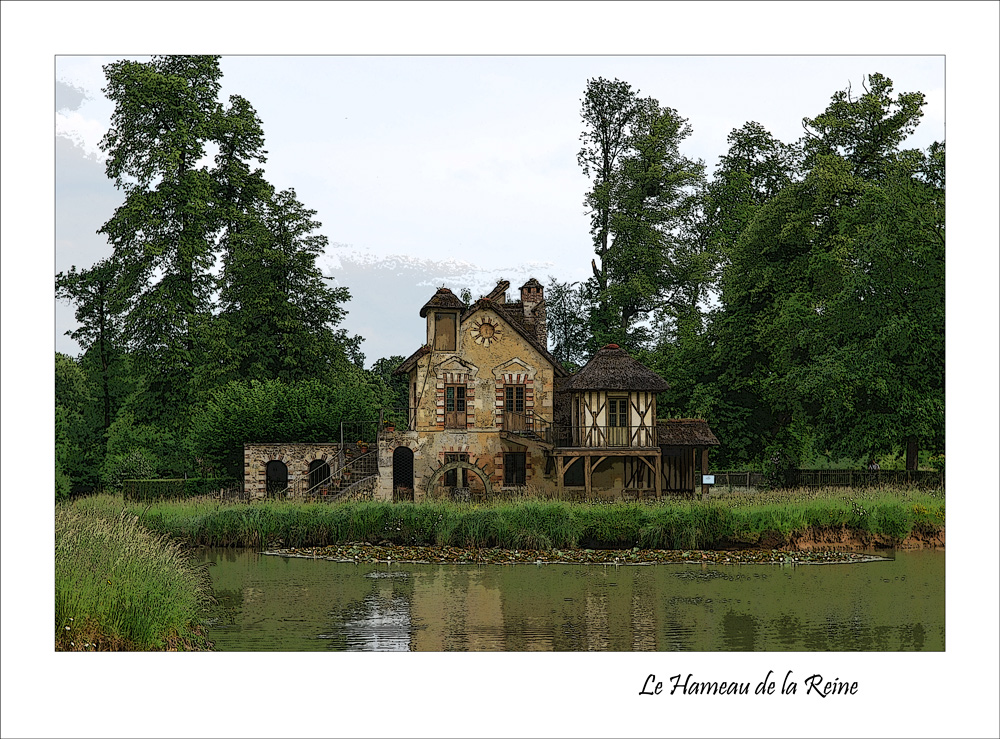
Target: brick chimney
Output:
[(533, 303)]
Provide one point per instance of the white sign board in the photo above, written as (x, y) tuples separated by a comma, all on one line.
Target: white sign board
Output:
[(708, 479)]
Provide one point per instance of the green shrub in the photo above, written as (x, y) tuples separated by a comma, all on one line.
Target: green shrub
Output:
[(133, 465), (170, 489)]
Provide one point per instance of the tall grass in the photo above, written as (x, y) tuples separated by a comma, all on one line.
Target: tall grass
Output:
[(725, 521), (119, 585)]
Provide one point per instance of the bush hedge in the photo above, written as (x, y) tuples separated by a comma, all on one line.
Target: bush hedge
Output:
[(173, 489)]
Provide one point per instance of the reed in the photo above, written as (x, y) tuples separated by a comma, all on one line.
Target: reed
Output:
[(120, 586), (532, 523)]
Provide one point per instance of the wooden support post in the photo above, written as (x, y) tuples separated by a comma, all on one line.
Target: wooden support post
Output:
[(704, 471), (588, 477)]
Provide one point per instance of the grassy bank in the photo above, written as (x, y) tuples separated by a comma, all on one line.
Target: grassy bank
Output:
[(735, 520), (120, 586)]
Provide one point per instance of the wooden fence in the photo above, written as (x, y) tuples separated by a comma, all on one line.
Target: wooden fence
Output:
[(832, 478)]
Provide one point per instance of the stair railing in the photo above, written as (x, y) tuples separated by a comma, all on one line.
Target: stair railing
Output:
[(528, 424), (343, 477)]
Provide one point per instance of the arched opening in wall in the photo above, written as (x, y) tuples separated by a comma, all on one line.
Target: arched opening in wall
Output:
[(276, 473), (402, 473), (443, 474), (319, 475)]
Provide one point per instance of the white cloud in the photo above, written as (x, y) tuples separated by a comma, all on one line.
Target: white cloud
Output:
[(387, 292), (82, 131)]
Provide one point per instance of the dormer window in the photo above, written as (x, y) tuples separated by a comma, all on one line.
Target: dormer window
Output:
[(442, 313), (445, 332)]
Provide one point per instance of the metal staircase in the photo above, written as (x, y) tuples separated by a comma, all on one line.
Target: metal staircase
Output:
[(358, 476)]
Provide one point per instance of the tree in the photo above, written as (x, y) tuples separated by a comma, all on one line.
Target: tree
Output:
[(138, 448), (768, 266), (704, 382), (164, 235), (567, 308), (277, 314), (878, 383), (826, 326), (396, 386), (99, 306), (755, 168), (77, 438), (643, 192), (895, 221), (865, 131)]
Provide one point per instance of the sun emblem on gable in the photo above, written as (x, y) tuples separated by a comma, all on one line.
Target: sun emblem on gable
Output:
[(485, 331)]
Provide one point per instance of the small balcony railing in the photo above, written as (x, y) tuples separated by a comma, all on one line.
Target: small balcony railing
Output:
[(533, 426), (604, 437)]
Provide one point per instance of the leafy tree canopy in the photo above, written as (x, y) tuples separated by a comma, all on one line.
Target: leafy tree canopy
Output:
[(275, 411)]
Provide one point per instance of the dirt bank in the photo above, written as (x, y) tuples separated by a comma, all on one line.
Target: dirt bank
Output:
[(842, 538)]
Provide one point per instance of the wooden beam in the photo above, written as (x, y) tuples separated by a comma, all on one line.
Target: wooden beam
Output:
[(615, 451)]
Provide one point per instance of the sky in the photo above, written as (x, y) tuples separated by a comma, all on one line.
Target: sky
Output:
[(460, 171), (453, 170)]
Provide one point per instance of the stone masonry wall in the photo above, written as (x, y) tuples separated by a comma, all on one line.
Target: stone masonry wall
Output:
[(295, 456)]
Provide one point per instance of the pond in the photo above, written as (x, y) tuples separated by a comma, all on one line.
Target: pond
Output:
[(270, 603)]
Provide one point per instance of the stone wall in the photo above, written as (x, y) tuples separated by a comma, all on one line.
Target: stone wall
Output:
[(296, 457), (483, 368)]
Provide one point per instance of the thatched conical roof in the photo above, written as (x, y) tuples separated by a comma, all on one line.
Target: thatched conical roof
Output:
[(443, 298), (611, 368)]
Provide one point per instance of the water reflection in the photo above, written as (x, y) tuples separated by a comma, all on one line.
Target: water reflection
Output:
[(276, 604), (381, 624)]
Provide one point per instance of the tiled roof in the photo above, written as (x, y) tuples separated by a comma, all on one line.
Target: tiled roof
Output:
[(512, 313), (685, 432), (408, 363)]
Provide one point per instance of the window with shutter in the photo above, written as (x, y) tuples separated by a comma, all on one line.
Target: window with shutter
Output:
[(454, 407)]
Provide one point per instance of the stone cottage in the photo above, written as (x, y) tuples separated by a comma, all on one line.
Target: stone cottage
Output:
[(481, 393), (490, 409)]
